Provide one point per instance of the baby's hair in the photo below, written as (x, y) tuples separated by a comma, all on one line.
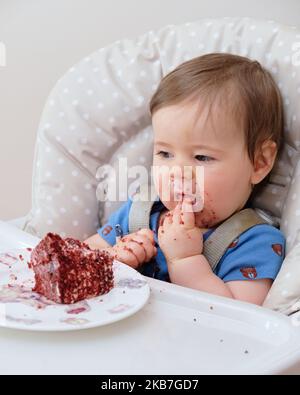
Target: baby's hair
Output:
[(249, 89)]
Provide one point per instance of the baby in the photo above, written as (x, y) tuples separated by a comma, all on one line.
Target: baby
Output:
[(222, 112)]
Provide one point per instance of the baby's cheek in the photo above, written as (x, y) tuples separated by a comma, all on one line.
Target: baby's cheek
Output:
[(209, 216), (207, 219), (157, 179)]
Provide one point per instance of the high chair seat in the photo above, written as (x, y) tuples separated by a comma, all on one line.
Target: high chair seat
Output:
[(98, 112)]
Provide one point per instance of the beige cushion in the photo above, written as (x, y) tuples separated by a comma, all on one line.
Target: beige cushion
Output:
[(98, 111)]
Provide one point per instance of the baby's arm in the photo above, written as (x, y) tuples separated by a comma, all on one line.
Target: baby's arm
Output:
[(182, 245), (251, 291), (195, 272)]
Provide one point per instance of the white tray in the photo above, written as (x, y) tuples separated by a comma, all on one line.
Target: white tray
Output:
[(179, 331)]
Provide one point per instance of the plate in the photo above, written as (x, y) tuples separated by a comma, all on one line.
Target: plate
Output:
[(20, 308)]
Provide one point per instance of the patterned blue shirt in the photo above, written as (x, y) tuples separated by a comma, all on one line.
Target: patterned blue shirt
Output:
[(256, 254)]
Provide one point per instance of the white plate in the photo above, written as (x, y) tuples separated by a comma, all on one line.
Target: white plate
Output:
[(20, 308)]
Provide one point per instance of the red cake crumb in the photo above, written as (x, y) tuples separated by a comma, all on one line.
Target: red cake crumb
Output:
[(67, 270)]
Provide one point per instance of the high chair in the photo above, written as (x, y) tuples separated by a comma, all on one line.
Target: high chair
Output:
[(97, 113)]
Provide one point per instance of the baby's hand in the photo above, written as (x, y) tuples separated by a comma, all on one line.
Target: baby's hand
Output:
[(178, 236), (136, 248)]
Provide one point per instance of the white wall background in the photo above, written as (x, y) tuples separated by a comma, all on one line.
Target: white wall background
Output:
[(43, 38)]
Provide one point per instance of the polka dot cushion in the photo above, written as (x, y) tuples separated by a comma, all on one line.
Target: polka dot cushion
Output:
[(98, 113), (284, 295)]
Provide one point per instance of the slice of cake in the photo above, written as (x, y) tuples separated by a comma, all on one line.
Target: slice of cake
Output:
[(67, 270)]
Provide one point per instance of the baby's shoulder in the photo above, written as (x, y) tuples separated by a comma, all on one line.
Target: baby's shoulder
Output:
[(263, 231), (256, 253), (259, 239)]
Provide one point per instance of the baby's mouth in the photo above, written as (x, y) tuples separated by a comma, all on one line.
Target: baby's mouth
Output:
[(180, 196), (183, 191)]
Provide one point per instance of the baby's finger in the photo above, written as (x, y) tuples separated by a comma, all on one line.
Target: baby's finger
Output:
[(161, 221), (145, 243), (161, 231), (176, 214), (138, 250), (147, 232), (136, 246), (125, 254), (151, 251), (168, 220), (188, 216)]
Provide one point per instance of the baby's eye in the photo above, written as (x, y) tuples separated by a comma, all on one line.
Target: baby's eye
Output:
[(203, 158), (163, 154)]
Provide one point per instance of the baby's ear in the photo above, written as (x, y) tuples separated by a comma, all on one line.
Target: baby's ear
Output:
[(264, 160)]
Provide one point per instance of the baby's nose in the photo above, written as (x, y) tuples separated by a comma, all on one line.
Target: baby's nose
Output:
[(181, 173)]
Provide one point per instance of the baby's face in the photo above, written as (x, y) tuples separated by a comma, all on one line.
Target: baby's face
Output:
[(215, 141)]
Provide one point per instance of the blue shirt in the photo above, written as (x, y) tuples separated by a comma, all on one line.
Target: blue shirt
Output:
[(256, 254)]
